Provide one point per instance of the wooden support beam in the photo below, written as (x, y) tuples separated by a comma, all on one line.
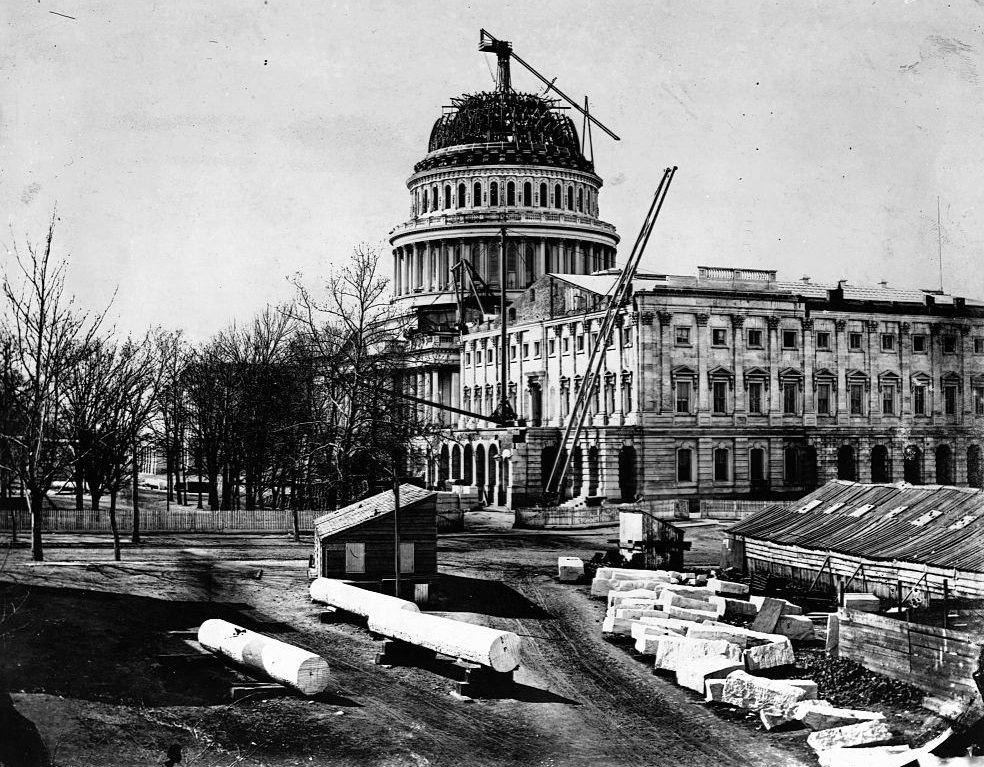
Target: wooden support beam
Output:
[(300, 669)]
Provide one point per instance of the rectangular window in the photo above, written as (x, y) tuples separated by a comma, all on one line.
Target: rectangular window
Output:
[(854, 341), (567, 345), (536, 348), (467, 359), (950, 400), (551, 347), (755, 338), (720, 397), (683, 396), (919, 400), (888, 342), (719, 336), (919, 344), (979, 345), (978, 394), (683, 336), (580, 343), (721, 465), (489, 356), (789, 398), (526, 351), (888, 400), (685, 465), (949, 344), (857, 399), (627, 336), (823, 340), (406, 556), (512, 352), (823, 399), (355, 557), (755, 397), (790, 339)]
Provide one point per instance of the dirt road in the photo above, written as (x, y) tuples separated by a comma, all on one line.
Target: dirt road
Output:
[(581, 701)]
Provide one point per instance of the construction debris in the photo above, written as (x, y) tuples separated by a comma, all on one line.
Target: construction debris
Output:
[(672, 653), (788, 608), (696, 674), (821, 715), (757, 693), (871, 733)]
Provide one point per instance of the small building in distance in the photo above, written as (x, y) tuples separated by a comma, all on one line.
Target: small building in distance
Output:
[(357, 543)]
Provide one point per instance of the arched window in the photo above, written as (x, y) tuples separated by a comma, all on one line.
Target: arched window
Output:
[(881, 468), (756, 465), (461, 195), (847, 467), (580, 201), (528, 194), (944, 465), (493, 194), (912, 465), (476, 195), (447, 196), (510, 194), (425, 200), (543, 195), (558, 198), (722, 465), (436, 197), (570, 198)]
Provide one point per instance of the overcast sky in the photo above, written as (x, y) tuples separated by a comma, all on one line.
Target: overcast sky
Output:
[(201, 152)]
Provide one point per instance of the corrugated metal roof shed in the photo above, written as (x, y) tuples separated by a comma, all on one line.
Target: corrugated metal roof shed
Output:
[(925, 524), (366, 509)]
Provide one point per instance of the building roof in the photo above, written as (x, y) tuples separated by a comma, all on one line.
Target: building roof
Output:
[(368, 508), (933, 525)]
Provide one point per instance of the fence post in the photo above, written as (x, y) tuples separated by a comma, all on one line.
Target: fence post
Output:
[(946, 602)]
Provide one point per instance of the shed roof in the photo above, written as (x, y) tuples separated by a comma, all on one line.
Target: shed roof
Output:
[(933, 525), (368, 508)]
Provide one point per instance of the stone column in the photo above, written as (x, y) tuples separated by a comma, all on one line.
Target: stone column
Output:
[(842, 354), (703, 385), (664, 403), (809, 386), (775, 395), (737, 355), (455, 390), (540, 268), (874, 343), (905, 396)]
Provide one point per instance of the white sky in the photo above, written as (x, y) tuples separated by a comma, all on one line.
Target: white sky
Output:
[(201, 152)]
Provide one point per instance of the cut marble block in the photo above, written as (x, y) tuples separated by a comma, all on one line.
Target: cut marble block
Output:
[(569, 569), (694, 675), (728, 588), (872, 733)]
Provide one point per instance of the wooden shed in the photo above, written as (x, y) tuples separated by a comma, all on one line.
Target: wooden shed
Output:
[(358, 543)]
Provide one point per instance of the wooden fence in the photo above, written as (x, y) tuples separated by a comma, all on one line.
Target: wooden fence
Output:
[(177, 520), (559, 517), (938, 661), (713, 508)]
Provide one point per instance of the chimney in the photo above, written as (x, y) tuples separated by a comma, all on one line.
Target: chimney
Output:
[(836, 295), (930, 301), (805, 279), (959, 303), (884, 284)]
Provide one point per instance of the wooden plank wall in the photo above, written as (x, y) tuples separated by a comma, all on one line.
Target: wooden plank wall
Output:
[(178, 520), (938, 661)]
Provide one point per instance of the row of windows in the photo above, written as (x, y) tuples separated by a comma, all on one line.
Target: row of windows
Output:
[(355, 557), (612, 396), (721, 401), (722, 463), (569, 197), (790, 339), (565, 346)]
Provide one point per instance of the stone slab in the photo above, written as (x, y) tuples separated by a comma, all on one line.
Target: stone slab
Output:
[(694, 675), (727, 588), (797, 627), (635, 613), (788, 607), (691, 592), (821, 715), (703, 631), (876, 756), (672, 599), (757, 693), (569, 569), (873, 733), (674, 652), (833, 635), (866, 603), (714, 690), (617, 626), (733, 609), (692, 615), (770, 655), (645, 625), (617, 597)]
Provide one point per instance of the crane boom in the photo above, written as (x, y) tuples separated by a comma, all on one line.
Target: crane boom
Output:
[(620, 295)]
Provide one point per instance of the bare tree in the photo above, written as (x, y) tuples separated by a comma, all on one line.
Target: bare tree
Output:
[(49, 335)]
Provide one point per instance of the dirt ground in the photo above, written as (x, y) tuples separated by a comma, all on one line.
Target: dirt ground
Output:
[(86, 651)]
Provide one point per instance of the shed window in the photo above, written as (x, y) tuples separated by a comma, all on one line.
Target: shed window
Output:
[(406, 556), (355, 557)]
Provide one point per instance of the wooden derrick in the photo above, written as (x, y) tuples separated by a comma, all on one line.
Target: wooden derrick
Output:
[(354, 599), (292, 666), (499, 650)]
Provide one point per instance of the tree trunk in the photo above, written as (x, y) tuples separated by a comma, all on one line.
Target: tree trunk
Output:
[(295, 521), (135, 536), (13, 526), (112, 524), (79, 486), (37, 550)]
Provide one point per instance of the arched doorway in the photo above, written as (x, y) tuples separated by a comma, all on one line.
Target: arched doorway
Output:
[(493, 476), (577, 472), (944, 465), (443, 467), (912, 465), (456, 462), (975, 471), (536, 404), (792, 474), (881, 467), (847, 467), (627, 480), (756, 468), (594, 471), (810, 466)]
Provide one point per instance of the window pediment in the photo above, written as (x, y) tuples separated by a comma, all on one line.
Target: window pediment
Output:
[(790, 374), (857, 376), (921, 378), (684, 371), (721, 372), (756, 373)]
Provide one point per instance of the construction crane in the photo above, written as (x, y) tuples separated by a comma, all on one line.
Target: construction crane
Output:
[(620, 296)]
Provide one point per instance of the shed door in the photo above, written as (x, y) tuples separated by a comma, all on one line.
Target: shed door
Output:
[(355, 557), (406, 557)]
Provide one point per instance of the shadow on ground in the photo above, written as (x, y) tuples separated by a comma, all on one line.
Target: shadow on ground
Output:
[(453, 593)]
